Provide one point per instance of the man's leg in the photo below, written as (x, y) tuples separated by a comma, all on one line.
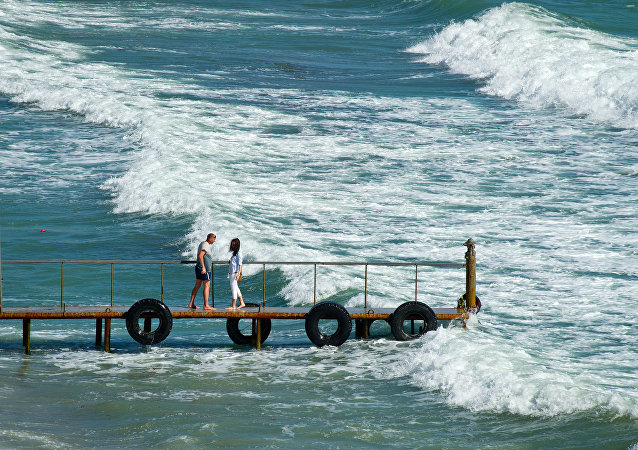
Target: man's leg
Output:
[(207, 307), (198, 283)]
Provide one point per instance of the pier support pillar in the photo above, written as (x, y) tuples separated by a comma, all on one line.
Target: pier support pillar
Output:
[(26, 336), (147, 325), (98, 332), (362, 328), (107, 335), (258, 326), (470, 275)]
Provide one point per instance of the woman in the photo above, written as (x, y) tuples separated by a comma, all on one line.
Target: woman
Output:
[(234, 272)]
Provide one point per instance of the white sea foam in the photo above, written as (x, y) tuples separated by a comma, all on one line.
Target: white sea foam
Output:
[(478, 370), (526, 53)]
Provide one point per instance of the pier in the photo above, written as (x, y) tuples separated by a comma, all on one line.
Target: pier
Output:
[(149, 321)]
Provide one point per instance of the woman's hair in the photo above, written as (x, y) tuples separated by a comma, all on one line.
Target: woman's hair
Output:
[(234, 246)]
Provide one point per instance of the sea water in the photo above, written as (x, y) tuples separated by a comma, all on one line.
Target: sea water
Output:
[(324, 131)]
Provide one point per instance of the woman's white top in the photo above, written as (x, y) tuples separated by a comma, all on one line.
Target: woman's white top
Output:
[(235, 262)]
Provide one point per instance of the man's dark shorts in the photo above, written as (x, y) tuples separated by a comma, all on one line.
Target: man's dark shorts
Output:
[(201, 276)]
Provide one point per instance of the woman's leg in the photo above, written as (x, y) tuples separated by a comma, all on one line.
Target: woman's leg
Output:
[(234, 290), (241, 299), (238, 295)]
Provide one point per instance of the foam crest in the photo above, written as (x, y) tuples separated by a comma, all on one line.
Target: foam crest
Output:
[(526, 53), (492, 374)]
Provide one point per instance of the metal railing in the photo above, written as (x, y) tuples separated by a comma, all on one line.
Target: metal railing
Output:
[(470, 266), (264, 265), (349, 263)]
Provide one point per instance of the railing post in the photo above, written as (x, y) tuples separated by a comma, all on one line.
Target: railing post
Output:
[(365, 291), (162, 282), (263, 288), (1, 279), (314, 291), (416, 281), (212, 285), (61, 285), (111, 286), (470, 275)]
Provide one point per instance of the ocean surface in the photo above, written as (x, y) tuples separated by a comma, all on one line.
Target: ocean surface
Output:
[(325, 130)]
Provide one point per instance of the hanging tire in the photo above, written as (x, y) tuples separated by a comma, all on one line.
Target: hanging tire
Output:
[(330, 311), (412, 312), (238, 337), (461, 304), (153, 309)]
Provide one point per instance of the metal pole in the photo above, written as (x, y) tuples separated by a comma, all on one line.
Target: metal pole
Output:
[(314, 295), (111, 286), (365, 291), (263, 288), (0, 270), (162, 282), (470, 274), (212, 285), (61, 284), (416, 281)]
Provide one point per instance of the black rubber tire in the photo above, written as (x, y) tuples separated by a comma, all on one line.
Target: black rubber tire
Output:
[(328, 310), (478, 303), (232, 327), (155, 309), (412, 311)]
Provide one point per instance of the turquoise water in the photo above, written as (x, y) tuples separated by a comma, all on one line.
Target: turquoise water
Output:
[(329, 131)]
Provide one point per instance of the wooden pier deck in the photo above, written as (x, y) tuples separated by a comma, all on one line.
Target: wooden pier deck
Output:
[(118, 312)]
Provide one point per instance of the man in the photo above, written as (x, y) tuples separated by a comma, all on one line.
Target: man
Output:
[(203, 271)]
